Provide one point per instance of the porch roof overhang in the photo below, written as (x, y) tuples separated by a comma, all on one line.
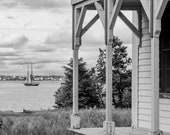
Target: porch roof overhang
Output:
[(126, 5)]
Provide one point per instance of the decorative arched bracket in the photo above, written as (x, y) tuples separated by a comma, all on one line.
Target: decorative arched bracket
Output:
[(145, 5), (80, 21), (100, 11), (88, 26), (76, 47), (77, 41), (161, 8), (129, 24), (157, 28), (115, 12)]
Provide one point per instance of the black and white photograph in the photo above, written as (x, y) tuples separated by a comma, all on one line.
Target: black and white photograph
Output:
[(84, 67)]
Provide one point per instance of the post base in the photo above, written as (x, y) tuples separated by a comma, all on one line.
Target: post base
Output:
[(109, 128), (157, 132), (75, 121)]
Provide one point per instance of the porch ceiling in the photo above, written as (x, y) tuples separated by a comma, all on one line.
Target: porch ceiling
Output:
[(127, 4)]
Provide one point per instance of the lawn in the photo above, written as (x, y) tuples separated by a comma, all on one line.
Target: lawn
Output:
[(55, 122)]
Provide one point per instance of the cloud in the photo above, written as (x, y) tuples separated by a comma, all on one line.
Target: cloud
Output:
[(8, 3), (35, 61), (13, 41), (63, 36), (10, 17), (34, 31), (43, 49), (43, 3), (46, 61), (8, 54), (35, 3), (39, 66), (7, 59), (35, 57), (2, 65)]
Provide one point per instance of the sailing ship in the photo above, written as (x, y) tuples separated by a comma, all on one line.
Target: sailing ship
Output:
[(30, 78)]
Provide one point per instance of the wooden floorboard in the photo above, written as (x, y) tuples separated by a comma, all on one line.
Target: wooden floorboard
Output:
[(87, 131), (118, 131)]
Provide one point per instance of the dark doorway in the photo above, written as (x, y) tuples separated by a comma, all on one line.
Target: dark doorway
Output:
[(165, 52)]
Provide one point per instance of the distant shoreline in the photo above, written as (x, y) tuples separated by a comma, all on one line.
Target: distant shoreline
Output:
[(37, 81), (13, 113)]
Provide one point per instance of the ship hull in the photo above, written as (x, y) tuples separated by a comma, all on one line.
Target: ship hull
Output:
[(31, 84)]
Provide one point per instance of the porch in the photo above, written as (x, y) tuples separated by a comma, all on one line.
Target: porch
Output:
[(146, 28), (118, 131)]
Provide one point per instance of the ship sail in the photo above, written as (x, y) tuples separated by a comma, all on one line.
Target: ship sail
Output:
[(27, 73)]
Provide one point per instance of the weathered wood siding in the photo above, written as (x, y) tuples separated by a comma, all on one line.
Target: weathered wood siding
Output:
[(165, 115), (144, 84), (144, 80)]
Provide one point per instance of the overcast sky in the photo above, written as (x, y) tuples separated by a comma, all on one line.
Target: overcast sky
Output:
[(39, 31)]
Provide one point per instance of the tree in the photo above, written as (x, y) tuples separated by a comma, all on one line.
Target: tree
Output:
[(98, 86), (101, 67), (121, 73), (88, 94)]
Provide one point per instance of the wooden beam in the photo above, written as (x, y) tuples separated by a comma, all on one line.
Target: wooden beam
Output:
[(139, 12), (151, 22), (73, 25), (85, 3), (80, 21), (76, 1), (115, 13), (129, 24), (145, 5), (160, 8), (88, 26), (100, 11), (76, 15), (105, 21)]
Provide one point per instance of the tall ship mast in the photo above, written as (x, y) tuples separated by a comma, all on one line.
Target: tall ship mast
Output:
[(30, 77)]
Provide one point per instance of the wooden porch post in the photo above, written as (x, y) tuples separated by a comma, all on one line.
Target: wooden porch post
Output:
[(155, 25), (75, 118), (109, 125), (135, 57), (75, 80), (109, 82), (155, 80), (158, 10)]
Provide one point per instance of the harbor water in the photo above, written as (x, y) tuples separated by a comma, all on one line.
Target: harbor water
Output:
[(14, 96)]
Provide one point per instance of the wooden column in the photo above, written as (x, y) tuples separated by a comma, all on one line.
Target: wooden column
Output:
[(109, 83), (109, 63), (155, 84), (75, 118), (155, 80), (109, 125), (158, 10), (75, 80), (135, 57), (156, 29)]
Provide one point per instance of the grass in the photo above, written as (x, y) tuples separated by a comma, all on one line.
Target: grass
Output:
[(55, 122)]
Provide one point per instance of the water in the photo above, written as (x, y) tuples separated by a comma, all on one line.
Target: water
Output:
[(14, 96)]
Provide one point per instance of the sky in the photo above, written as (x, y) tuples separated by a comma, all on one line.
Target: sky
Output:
[(40, 31)]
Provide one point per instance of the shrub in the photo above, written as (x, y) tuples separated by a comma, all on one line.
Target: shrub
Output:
[(56, 122)]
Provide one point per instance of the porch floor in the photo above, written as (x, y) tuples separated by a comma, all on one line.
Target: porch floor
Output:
[(118, 131)]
